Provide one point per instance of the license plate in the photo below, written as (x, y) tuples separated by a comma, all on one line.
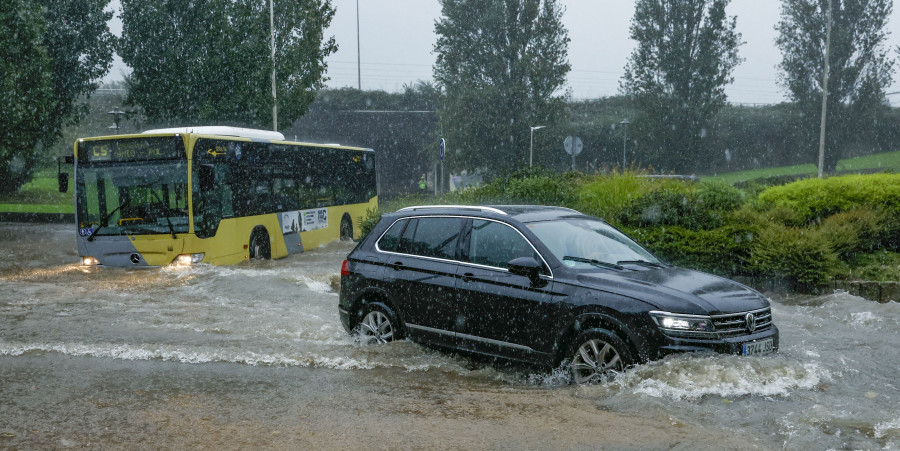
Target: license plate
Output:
[(758, 347)]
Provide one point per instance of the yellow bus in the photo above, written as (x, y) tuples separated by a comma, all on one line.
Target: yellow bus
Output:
[(218, 195)]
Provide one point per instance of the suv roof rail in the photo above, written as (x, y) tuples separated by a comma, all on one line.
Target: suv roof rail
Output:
[(462, 207)]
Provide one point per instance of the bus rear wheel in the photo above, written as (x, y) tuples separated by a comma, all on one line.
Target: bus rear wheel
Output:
[(260, 246), (346, 228)]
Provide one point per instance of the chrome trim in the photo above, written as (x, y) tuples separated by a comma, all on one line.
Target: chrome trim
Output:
[(340, 310), (470, 337), (430, 329), (464, 207), (443, 260)]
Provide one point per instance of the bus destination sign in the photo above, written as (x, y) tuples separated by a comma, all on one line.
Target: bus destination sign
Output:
[(132, 149)]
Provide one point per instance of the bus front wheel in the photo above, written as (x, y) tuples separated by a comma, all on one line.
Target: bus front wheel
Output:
[(260, 246)]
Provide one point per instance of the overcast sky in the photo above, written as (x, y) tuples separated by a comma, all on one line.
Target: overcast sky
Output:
[(397, 40)]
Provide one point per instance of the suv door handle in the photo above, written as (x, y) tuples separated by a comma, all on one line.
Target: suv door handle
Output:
[(467, 277), (397, 266)]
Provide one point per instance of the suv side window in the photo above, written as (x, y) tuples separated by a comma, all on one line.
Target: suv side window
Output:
[(432, 237), (495, 244)]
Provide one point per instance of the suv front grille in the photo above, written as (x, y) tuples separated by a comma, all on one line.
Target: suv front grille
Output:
[(735, 324), (728, 325)]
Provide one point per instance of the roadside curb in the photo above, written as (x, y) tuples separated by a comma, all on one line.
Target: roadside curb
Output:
[(37, 218)]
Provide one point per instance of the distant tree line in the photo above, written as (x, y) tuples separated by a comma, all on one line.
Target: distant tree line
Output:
[(500, 73)]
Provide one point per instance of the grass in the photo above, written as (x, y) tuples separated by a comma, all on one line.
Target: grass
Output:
[(887, 161), (40, 195)]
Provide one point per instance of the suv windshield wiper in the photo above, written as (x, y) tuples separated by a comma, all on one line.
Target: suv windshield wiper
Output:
[(591, 261), (105, 220), (640, 263)]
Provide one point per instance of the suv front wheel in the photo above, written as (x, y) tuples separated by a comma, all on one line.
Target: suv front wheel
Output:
[(597, 356)]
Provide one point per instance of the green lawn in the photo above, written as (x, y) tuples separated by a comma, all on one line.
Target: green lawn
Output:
[(889, 161), (40, 195)]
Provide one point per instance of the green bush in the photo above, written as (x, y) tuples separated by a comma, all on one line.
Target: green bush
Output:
[(696, 206), (851, 232), (607, 196), (373, 215), (722, 251), (881, 266), (537, 186), (799, 255), (815, 199)]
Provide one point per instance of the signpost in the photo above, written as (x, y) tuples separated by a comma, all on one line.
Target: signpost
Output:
[(573, 146), (443, 150)]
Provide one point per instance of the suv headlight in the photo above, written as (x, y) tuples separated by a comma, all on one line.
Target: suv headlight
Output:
[(688, 323)]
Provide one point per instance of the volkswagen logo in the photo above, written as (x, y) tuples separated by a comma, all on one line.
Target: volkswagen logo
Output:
[(751, 322), (135, 259)]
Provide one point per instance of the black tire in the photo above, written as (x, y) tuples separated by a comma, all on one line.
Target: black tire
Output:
[(378, 324), (260, 245), (596, 356), (346, 228)]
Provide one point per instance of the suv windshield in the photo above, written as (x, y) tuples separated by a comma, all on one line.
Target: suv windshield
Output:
[(133, 199), (587, 243)]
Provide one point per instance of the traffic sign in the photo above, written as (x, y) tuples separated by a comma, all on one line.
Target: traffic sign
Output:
[(573, 143), (443, 147)]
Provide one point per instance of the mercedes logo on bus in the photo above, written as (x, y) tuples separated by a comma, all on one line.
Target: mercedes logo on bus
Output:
[(135, 259), (751, 322)]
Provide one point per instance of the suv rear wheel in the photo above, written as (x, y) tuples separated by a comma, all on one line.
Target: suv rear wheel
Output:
[(378, 324), (597, 356)]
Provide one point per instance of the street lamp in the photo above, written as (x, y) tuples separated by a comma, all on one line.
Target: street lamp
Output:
[(117, 116), (624, 125), (531, 148)]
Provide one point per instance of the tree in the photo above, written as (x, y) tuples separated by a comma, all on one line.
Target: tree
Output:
[(501, 66), (686, 52), (209, 61), (54, 52), (859, 68)]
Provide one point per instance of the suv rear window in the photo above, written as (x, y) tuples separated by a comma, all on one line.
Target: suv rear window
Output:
[(428, 237)]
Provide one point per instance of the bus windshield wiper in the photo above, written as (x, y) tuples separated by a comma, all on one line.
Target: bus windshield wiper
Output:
[(591, 261), (640, 263), (105, 219), (166, 211)]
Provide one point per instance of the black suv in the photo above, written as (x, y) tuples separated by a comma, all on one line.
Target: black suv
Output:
[(542, 285)]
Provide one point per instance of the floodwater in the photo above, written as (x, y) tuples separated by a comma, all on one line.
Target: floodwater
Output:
[(254, 356)]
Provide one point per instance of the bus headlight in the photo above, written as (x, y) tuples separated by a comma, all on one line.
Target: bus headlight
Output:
[(89, 261), (189, 259)]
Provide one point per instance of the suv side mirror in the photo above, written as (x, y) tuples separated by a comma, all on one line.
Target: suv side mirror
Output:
[(207, 177), (526, 266)]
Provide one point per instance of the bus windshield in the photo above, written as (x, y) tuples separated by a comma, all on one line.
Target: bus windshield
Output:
[(133, 198)]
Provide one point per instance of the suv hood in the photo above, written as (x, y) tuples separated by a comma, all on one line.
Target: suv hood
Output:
[(678, 290)]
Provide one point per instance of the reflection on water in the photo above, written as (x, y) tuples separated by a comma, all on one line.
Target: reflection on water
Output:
[(833, 384)]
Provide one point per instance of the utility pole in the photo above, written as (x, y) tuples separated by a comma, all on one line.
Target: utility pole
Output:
[(274, 94), (358, 57), (825, 93)]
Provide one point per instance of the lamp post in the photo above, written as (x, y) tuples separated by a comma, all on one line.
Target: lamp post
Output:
[(624, 125), (117, 116), (531, 147)]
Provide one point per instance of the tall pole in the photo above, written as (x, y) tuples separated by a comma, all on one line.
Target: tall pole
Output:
[(624, 124), (531, 147), (358, 58), (274, 93), (825, 93)]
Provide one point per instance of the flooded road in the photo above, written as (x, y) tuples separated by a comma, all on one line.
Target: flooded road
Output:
[(254, 356)]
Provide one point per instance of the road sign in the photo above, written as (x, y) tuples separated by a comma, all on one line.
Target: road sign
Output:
[(443, 147), (573, 143)]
